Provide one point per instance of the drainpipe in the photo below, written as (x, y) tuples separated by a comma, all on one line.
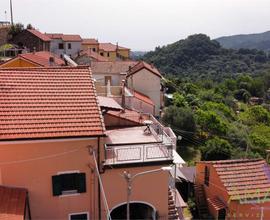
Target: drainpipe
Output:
[(123, 102)]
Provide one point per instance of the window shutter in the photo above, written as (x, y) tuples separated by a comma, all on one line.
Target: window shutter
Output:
[(81, 183), (56, 184)]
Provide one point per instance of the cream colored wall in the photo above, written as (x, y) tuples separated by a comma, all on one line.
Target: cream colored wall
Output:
[(148, 84), (90, 46), (32, 164), (150, 188), (124, 53), (112, 55)]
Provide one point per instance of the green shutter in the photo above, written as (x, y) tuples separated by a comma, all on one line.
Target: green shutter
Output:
[(81, 183), (56, 184)]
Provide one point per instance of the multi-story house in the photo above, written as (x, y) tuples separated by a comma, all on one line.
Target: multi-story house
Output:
[(62, 157), (90, 44), (33, 40), (113, 52), (69, 44)]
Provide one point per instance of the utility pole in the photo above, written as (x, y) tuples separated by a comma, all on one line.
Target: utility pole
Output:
[(11, 12)]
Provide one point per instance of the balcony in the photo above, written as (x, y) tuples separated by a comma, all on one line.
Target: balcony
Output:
[(134, 145)]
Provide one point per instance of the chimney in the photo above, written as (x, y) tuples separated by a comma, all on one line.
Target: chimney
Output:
[(51, 61), (123, 101)]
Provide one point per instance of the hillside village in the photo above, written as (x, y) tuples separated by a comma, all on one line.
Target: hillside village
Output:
[(81, 137)]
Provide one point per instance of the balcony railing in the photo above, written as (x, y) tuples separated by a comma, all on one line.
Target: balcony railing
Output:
[(137, 153)]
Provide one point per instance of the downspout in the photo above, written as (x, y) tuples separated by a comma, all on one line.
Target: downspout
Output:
[(99, 199), (28, 206)]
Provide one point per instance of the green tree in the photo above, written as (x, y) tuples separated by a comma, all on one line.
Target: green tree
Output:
[(217, 149), (179, 118)]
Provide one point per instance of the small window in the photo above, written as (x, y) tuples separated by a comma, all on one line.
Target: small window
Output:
[(108, 54), (70, 183), (102, 54), (78, 216), (69, 45), (61, 46), (94, 49), (206, 176)]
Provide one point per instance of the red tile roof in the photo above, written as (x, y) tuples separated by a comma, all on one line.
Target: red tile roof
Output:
[(110, 47), (143, 97), (65, 37), (245, 178), (12, 203), (40, 58), (48, 103), (38, 34), (141, 65), (112, 67), (90, 41), (94, 55), (216, 203), (129, 115)]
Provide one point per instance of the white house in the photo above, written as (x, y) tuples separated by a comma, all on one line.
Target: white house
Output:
[(68, 44)]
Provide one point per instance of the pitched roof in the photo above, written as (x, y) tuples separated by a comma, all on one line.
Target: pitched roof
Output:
[(48, 103), (94, 55), (110, 47), (244, 178), (38, 34), (89, 41), (64, 37), (12, 203), (42, 58), (143, 97), (109, 103), (141, 65), (112, 67)]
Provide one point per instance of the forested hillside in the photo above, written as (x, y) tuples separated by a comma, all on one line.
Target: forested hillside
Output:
[(259, 41), (199, 57), (221, 97)]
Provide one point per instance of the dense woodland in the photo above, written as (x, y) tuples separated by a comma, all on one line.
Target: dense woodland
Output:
[(213, 106)]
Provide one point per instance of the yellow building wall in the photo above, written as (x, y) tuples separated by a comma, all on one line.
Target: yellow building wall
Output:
[(124, 53), (18, 62), (111, 57), (90, 46)]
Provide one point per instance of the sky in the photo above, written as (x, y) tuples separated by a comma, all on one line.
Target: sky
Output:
[(142, 24)]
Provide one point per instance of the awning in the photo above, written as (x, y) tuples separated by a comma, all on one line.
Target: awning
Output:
[(177, 159), (186, 173)]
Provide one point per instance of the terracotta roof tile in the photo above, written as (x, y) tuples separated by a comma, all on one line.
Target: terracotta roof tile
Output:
[(48, 102), (94, 56), (244, 178), (38, 34), (110, 47), (143, 97), (141, 65), (90, 41), (12, 203), (64, 37)]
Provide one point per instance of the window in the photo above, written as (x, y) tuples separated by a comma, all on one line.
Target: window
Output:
[(69, 45), (102, 54), (108, 54), (68, 183), (108, 78), (61, 46), (206, 176), (94, 49), (78, 216)]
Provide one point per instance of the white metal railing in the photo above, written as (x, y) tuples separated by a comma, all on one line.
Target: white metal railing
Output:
[(121, 154)]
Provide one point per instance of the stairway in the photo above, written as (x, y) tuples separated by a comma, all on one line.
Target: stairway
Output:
[(201, 202), (173, 212)]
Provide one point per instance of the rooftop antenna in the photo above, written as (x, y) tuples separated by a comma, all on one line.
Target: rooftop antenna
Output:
[(11, 12)]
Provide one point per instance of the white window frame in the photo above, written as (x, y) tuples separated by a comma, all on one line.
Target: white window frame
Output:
[(78, 213)]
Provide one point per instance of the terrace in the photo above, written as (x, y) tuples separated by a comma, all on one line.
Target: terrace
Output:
[(139, 144)]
